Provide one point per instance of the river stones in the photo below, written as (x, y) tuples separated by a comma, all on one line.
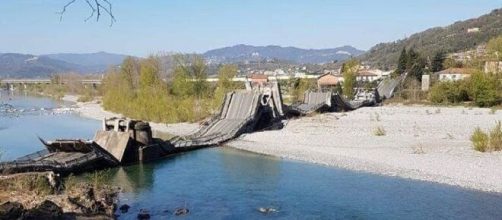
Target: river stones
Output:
[(46, 210), (143, 214), (181, 211), (124, 208), (267, 210), (11, 210)]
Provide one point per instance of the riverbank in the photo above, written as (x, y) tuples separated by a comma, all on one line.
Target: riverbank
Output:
[(43, 195), (419, 142), (416, 142), (94, 110)]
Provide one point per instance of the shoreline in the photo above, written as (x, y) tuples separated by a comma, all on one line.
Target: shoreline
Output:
[(421, 142), (94, 110)]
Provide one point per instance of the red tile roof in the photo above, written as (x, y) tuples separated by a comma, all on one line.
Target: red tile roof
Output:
[(366, 73), (455, 71)]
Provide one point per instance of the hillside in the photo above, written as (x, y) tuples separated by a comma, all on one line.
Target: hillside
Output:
[(92, 62), (25, 65), (14, 65), (460, 36), (243, 53)]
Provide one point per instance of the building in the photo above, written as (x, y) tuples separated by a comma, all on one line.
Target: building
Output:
[(367, 76), (258, 79), (473, 30), (329, 80), (493, 67), (453, 74)]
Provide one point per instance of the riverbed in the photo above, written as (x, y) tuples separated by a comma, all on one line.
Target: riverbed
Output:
[(225, 183)]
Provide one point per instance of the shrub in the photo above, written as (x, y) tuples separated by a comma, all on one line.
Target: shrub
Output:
[(70, 182), (449, 92), (379, 131), (479, 140), (98, 179), (483, 89), (493, 110), (496, 137)]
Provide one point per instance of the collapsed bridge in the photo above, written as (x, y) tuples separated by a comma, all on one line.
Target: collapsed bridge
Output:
[(122, 141), (331, 101)]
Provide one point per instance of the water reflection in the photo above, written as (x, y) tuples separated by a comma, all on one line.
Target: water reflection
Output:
[(19, 134), (222, 183), (233, 163), (133, 179)]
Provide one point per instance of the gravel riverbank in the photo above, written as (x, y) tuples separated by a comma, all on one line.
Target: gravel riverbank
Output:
[(422, 143)]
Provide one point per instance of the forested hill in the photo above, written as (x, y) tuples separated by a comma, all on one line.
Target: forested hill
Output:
[(460, 36), (243, 53)]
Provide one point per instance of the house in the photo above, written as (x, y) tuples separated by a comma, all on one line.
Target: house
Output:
[(453, 74), (328, 80), (473, 30), (258, 79), (366, 76)]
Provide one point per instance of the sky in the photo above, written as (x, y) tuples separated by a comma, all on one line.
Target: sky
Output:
[(150, 26)]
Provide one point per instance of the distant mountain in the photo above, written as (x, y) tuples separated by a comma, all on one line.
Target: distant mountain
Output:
[(242, 53), (92, 62), (26, 65), (460, 36)]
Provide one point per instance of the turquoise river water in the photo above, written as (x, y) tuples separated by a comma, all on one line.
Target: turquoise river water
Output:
[(223, 183)]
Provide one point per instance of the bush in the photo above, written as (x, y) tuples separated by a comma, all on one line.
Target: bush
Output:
[(480, 140), (496, 137), (483, 89), (379, 131), (449, 92)]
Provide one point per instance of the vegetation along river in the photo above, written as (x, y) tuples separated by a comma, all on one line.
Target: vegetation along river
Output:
[(223, 183)]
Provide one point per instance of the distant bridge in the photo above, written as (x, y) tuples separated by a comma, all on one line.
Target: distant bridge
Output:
[(12, 83)]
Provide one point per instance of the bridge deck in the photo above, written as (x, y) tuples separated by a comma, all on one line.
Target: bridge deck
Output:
[(237, 115)]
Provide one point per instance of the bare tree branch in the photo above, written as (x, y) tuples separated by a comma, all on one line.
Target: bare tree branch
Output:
[(97, 7)]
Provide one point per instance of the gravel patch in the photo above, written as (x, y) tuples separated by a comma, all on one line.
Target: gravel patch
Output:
[(422, 143)]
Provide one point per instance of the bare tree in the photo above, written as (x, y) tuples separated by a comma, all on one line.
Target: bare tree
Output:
[(97, 8)]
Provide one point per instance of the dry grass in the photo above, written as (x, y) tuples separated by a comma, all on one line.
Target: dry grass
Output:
[(36, 183), (479, 140), (379, 131), (418, 149), (98, 179), (496, 137)]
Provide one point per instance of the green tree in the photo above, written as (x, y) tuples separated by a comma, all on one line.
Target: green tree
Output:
[(199, 74), (194, 69), (181, 85), (149, 73), (494, 47), (412, 59), (225, 75), (437, 61), (483, 89), (417, 69), (451, 63), (349, 71), (401, 63), (130, 72)]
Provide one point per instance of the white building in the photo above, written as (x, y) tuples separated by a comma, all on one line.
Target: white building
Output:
[(367, 76), (453, 74)]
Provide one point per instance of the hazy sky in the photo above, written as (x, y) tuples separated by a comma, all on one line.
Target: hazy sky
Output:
[(148, 26)]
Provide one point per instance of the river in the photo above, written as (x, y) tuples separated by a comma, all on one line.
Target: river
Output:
[(223, 183)]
